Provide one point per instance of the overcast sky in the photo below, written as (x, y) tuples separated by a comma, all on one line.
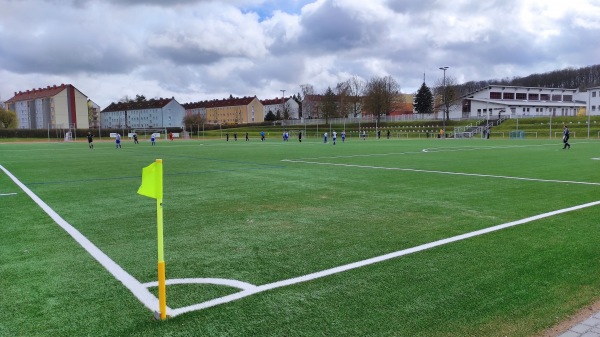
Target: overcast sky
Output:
[(199, 49)]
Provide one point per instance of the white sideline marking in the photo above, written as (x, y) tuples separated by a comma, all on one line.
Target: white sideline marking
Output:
[(442, 172), (135, 286), (339, 269), (151, 302), (7, 194)]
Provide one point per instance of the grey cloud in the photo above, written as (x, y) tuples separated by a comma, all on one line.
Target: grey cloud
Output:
[(285, 70), (411, 6), (332, 28), (62, 54)]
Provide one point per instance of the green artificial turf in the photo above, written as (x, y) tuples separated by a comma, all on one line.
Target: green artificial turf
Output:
[(262, 212)]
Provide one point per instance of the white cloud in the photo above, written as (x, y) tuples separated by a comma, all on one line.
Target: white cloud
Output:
[(201, 49)]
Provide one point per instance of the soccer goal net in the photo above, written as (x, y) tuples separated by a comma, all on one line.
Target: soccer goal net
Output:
[(146, 133), (517, 134)]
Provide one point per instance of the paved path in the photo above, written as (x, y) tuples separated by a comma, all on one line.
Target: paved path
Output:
[(588, 328)]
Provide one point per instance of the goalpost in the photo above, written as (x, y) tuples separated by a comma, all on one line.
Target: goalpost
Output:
[(148, 132), (517, 134)]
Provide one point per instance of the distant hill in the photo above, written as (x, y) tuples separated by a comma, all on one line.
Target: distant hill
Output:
[(581, 78)]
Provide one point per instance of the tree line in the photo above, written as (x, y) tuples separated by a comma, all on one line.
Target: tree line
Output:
[(379, 95), (572, 78), (349, 98)]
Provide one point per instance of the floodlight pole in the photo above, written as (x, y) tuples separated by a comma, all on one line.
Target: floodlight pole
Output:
[(444, 100), (588, 110), (282, 104)]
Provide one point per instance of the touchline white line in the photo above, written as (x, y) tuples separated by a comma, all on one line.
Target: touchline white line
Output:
[(7, 194), (135, 286), (151, 302), (441, 172), (339, 269)]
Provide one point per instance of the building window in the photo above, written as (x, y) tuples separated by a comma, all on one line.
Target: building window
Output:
[(495, 95), (593, 108), (568, 98), (508, 95), (556, 98), (593, 94), (545, 97), (521, 95)]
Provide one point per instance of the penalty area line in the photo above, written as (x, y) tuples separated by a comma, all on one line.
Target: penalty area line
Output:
[(135, 286), (381, 258)]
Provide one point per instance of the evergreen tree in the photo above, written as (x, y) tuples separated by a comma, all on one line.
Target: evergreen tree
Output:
[(424, 100), (328, 104), (270, 116)]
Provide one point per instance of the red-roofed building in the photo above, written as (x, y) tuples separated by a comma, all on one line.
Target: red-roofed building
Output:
[(233, 110), (62, 106), (153, 113)]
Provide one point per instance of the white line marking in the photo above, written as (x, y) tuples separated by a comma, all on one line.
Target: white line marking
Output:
[(339, 269), (135, 286), (442, 172), (151, 302), (217, 281), (7, 194)]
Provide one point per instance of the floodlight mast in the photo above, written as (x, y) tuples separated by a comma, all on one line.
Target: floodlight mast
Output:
[(445, 110)]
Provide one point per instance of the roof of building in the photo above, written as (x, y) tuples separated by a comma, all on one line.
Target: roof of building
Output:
[(143, 105), (273, 101), (218, 103), (28, 95)]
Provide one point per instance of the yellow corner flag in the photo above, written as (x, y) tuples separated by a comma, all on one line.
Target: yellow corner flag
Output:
[(152, 184)]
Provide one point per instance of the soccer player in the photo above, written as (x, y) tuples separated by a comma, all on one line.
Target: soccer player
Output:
[(325, 138), (90, 138), (135, 140), (247, 139), (364, 135), (334, 136), (262, 136), (566, 138), (343, 136), (118, 141), (300, 137), (152, 139)]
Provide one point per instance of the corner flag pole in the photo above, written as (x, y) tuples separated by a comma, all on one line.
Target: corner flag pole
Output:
[(152, 186), (162, 288)]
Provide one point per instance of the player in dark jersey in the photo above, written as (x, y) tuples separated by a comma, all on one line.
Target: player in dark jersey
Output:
[(90, 138)]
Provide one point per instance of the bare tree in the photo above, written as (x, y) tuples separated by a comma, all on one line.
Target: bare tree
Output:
[(308, 104), (446, 95), (342, 91), (356, 88), (193, 119), (379, 95)]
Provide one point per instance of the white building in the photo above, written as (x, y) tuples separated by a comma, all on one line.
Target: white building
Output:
[(593, 99), (62, 106), (495, 101), (280, 105), (153, 113)]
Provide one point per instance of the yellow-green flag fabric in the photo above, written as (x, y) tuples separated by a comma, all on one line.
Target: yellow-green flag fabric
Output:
[(152, 180)]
